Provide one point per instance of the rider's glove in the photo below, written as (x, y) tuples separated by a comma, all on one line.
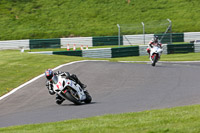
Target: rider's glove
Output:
[(50, 88), (47, 84), (58, 72)]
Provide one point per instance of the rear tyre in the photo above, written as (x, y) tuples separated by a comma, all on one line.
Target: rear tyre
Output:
[(73, 96), (88, 97)]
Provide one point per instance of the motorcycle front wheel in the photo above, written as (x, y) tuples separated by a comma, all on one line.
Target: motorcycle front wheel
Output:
[(154, 60)]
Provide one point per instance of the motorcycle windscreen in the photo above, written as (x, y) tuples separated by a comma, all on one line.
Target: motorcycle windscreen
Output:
[(55, 79)]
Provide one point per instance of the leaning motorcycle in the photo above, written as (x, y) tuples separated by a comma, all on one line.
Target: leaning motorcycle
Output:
[(155, 54), (70, 90)]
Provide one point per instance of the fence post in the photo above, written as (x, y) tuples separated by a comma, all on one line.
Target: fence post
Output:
[(118, 34), (170, 29), (143, 32)]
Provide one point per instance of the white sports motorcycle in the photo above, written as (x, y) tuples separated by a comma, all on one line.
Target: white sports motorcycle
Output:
[(155, 54), (70, 90)]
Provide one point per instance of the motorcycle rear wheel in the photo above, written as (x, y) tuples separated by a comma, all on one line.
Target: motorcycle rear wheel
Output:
[(73, 97), (88, 97)]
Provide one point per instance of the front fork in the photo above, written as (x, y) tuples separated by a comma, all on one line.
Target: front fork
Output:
[(152, 57)]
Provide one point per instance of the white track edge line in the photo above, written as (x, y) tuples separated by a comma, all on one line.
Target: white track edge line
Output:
[(163, 61), (32, 80)]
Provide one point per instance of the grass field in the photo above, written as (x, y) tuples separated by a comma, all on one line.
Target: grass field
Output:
[(29, 19), (18, 68), (21, 67)]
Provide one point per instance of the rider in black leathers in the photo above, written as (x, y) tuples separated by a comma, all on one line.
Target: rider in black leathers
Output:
[(49, 74)]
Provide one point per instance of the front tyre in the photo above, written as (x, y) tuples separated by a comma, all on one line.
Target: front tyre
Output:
[(154, 60), (88, 97), (73, 96)]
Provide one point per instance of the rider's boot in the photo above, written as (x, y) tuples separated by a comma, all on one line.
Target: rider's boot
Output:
[(59, 99), (83, 86)]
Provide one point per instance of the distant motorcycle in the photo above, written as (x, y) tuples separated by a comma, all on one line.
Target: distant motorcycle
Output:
[(155, 54), (70, 90)]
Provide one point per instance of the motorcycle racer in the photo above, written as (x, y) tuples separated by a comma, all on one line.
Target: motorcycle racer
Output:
[(153, 42), (49, 84)]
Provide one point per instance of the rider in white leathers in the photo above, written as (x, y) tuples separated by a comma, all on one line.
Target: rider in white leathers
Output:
[(49, 74), (154, 41)]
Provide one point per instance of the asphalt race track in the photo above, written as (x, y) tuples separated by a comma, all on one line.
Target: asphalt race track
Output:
[(115, 88)]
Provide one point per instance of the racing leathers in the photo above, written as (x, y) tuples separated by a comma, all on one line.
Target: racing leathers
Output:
[(73, 77), (151, 44)]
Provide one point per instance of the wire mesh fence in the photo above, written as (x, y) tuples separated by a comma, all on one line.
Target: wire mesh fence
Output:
[(145, 31)]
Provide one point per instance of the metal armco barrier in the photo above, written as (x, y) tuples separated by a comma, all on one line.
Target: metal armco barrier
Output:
[(97, 53), (125, 51), (69, 53), (197, 48), (128, 51), (44, 43), (106, 40), (14, 44), (180, 48)]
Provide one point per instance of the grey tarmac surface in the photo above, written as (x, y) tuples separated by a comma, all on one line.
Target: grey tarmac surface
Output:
[(115, 88)]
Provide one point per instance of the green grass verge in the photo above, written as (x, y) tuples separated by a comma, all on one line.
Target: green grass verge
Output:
[(17, 68), (29, 19), (172, 120)]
